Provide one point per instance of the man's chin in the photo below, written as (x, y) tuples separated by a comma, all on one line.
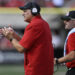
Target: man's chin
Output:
[(67, 28), (26, 21)]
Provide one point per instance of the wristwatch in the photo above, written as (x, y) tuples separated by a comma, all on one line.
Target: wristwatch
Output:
[(11, 39), (57, 61)]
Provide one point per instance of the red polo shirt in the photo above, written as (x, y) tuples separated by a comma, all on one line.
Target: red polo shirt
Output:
[(70, 47), (38, 42)]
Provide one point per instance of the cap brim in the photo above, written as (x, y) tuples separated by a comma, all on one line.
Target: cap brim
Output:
[(65, 18), (22, 8)]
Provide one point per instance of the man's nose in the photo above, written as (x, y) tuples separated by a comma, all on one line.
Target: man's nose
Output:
[(64, 21)]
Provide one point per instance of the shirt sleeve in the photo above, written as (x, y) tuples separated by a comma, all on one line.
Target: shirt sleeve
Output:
[(71, 42), (30, 36)]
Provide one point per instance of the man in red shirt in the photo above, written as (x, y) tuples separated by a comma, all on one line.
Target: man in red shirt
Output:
[(36, 42), (69, 47)]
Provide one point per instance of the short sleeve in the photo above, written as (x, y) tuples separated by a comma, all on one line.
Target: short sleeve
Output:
[(71, 42), (32, 33)]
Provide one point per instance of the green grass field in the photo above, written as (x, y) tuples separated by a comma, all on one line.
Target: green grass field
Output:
[(60, 71), (11, 70), (19, 70)]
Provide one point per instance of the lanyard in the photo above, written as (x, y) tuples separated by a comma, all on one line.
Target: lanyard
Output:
[(70, 32)]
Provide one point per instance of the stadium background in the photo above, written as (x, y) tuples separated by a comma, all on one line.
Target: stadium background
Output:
[(11, 62)]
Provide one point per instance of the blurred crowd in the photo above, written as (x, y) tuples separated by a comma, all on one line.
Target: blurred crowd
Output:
[(5, 44), (42, 3), (11, 3)]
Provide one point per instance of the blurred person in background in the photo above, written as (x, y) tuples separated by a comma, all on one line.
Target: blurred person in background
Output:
[(11, 3), (56, 40), (36, 43), (15, 3), (69, 47)]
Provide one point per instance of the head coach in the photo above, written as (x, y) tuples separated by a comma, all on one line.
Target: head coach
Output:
[(36, 43)]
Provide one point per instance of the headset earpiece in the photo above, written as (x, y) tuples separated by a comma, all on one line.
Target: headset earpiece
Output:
[(34, 10)]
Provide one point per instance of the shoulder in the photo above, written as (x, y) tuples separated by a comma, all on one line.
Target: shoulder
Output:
[(33, 26), (72, 35)]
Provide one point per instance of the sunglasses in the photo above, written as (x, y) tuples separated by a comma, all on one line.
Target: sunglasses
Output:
[(68, 19)]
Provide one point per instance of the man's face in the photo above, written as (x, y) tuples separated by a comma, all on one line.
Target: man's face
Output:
[(69, 24), (27, 15)]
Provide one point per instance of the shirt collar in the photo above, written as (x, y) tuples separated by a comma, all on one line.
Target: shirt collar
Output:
[(35, 17)]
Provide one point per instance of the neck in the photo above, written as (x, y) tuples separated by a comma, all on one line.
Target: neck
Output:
[(33, 17)]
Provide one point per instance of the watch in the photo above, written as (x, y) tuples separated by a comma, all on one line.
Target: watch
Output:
[(57, 61), (11, 39)]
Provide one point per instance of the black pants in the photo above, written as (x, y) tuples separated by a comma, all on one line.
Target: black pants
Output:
[(71, 71)]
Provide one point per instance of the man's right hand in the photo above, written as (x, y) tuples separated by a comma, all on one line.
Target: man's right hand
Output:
[(1, 33), (54, 61)]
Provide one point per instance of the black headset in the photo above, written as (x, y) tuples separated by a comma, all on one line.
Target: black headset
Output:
[(35, 10)]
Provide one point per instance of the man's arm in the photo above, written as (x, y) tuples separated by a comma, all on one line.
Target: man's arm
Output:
[(16, 36), (69, 57), (16, 44)]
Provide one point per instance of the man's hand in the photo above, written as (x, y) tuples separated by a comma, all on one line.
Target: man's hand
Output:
[(54, 61), (1, 35), (8, 32), (0, 31)]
